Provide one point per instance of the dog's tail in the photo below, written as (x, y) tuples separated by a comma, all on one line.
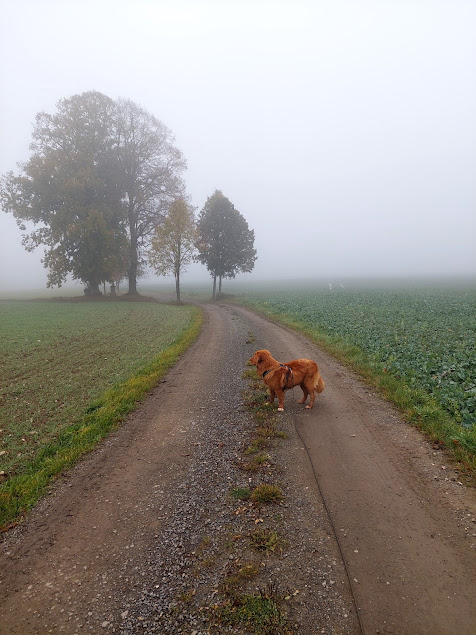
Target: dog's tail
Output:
[(319, 384)]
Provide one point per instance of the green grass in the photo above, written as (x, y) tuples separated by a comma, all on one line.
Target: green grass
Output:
[(241, 493), (258, 460), (260, 612), (415, 346), (264, 416), (72, 372), (243, 573), (266, 493), (265, 540)]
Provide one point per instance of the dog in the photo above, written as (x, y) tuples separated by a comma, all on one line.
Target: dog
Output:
[(279, 377)]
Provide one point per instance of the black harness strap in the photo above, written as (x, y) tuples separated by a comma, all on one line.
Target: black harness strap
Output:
[(289, 374)]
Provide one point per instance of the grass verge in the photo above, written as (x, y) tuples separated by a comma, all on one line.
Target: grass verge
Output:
[(19, 493)]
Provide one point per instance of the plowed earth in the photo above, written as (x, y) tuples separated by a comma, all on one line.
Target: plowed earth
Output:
[(378, 532)]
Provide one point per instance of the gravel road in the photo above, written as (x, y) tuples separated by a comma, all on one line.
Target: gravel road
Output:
[(378, 534)]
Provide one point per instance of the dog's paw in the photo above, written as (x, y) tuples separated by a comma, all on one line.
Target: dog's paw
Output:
[(308, 407), (280, 409)]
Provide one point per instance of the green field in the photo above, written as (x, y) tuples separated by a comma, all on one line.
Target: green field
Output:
[(70, 372), (422, 338)]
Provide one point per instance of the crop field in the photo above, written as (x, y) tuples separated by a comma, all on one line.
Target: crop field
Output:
[(60, 358), (424, 337)]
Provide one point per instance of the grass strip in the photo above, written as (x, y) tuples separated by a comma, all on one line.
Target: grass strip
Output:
[(259, 612), (18, 494), (417, 406)]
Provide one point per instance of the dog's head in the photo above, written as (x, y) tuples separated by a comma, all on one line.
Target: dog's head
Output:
[(260, 357)]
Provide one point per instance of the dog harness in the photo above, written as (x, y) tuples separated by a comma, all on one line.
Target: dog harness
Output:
[(289, 373)]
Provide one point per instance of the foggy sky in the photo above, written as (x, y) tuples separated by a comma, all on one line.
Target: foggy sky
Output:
[(344, 132)]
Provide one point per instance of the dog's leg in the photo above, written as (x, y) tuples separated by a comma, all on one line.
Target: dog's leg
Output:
[(305, 393), (280, 394), (272, 395), (312, 395)]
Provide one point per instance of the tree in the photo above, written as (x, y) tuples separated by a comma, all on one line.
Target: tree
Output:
[(226, 244), (151, 167), (70, 188), (173, 243), (101, 177)]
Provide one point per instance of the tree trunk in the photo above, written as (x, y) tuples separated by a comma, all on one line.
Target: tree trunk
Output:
[(132, 273), (214, 287), (177, 286), (92, 288), (134, 247), (219, 287)]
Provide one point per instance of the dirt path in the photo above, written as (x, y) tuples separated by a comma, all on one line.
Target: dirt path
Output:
[(145, 520), (406, 527)]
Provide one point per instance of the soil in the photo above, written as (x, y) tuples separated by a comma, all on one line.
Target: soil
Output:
[(378, 530)]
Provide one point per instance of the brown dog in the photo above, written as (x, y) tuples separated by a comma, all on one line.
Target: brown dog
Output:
[(279, 377)]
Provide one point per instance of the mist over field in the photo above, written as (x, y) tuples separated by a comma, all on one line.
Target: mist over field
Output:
[(343, 132)]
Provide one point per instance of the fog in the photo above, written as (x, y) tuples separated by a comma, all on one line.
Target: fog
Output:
[(344, 132)]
